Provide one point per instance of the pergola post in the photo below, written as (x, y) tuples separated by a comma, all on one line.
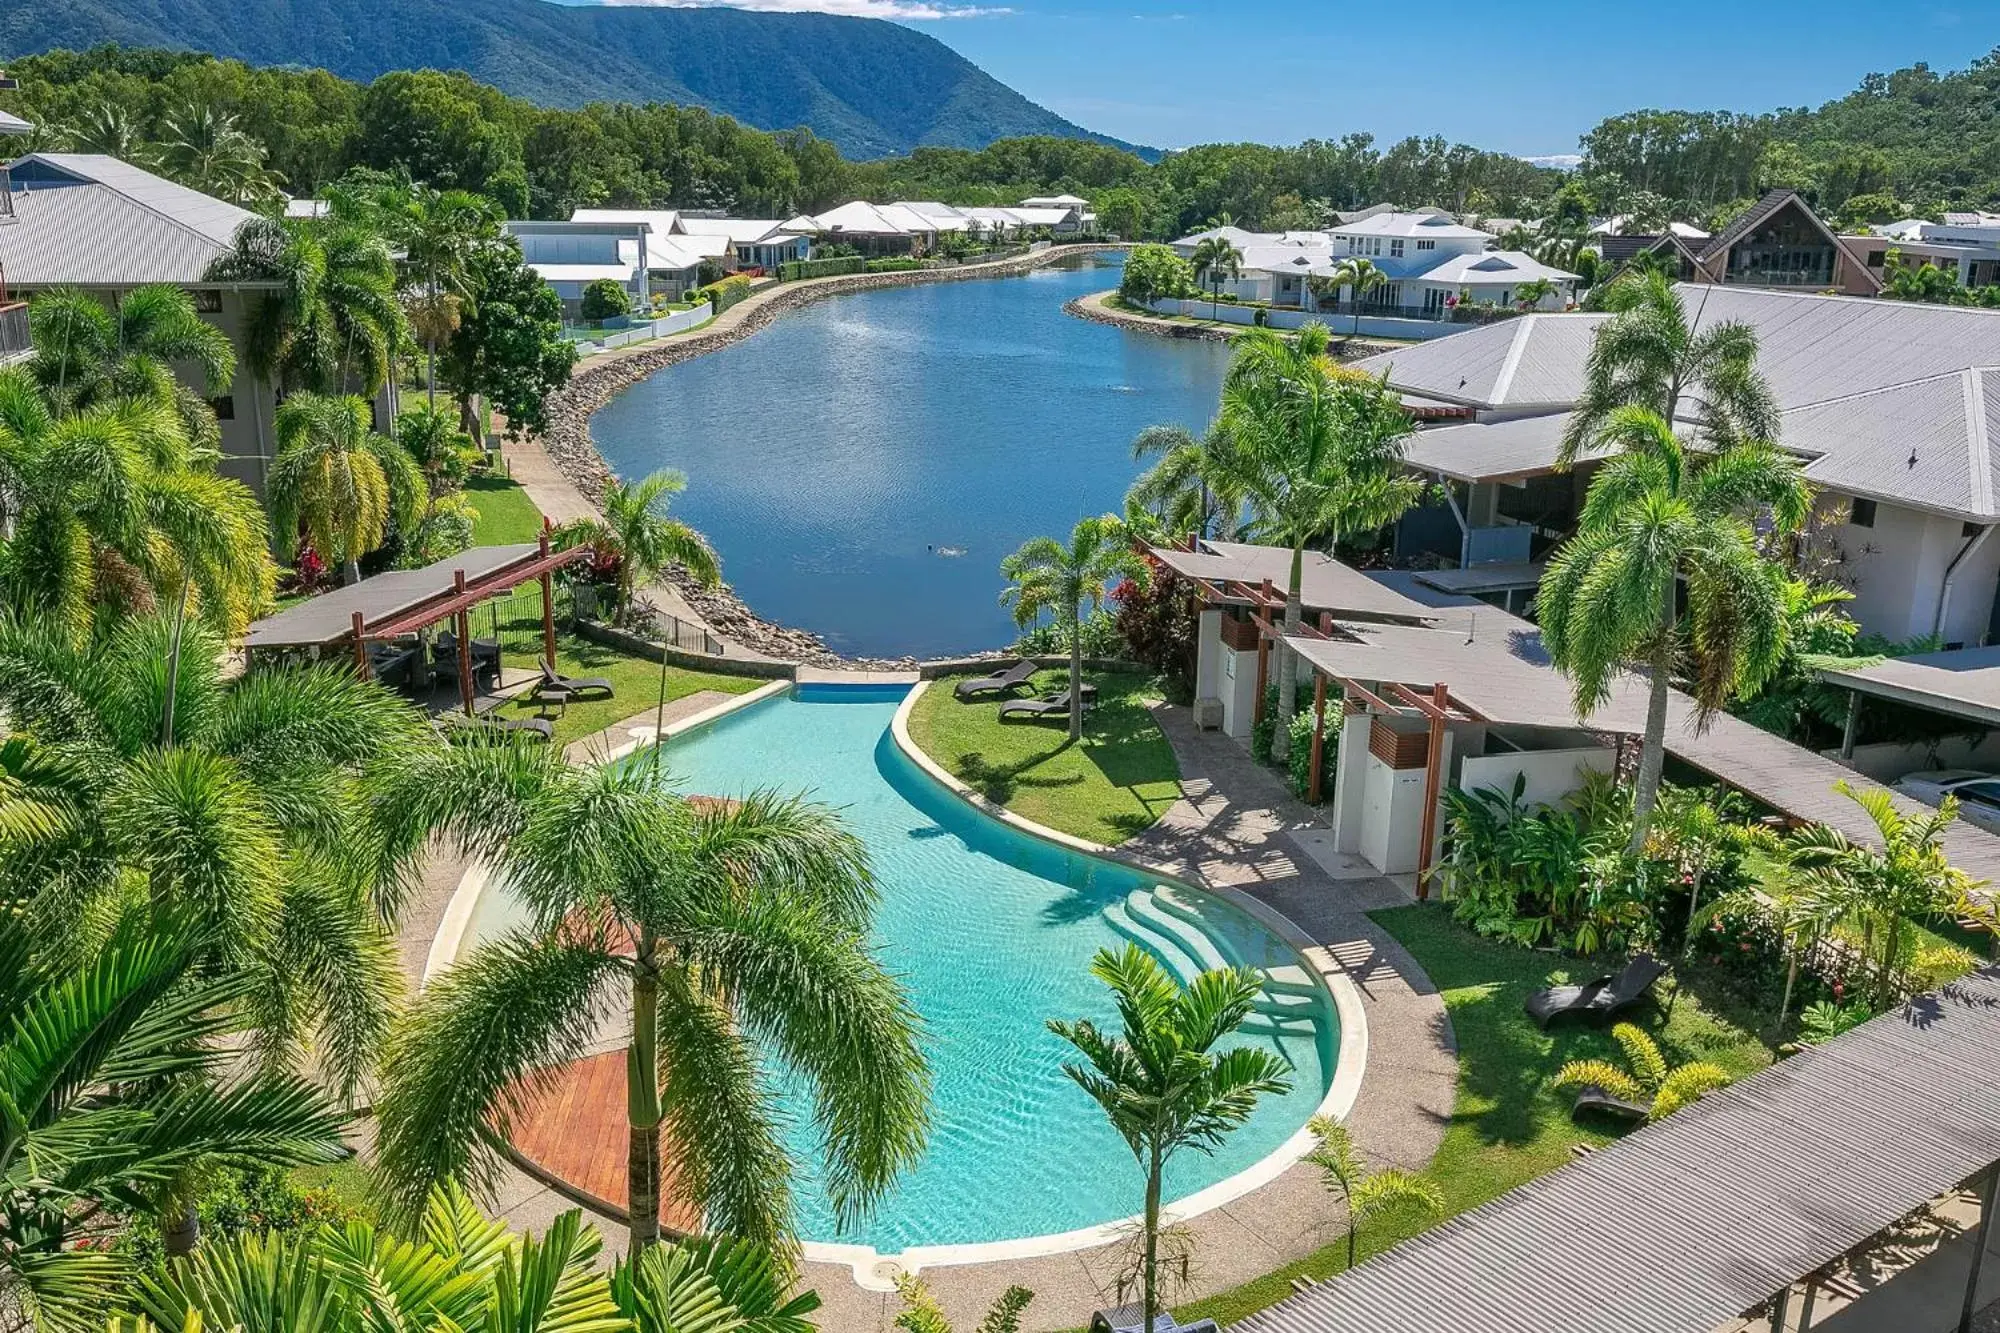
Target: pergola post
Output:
[(1263, 650), (1806, 1302), (1313, 783), (1779, 1304), (1981, 1238), (548, 601), (359, 624), (1852, 725), (1433, 781), (462, 622)]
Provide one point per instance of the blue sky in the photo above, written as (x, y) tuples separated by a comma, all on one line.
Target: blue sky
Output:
[(1527, 77)]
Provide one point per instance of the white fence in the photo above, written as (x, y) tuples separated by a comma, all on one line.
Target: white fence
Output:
[(678, 322), (1372, 326)]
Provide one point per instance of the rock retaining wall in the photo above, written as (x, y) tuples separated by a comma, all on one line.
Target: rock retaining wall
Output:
[(1097, 310)]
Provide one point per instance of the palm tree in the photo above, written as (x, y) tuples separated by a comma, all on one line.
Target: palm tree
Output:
[(430, 435), (108, 128), (112, 503), (339, 482), (1359, 276), (1645, 1076), (1649, 355), (332, 323), (1363, 1193), (204, 148), (637, 531), (1216, 260), (1161, 1082), (87, 354), (710, 1282), (114, 1069), (1656, 515), (1789, 888), (1193, 488), (1317, 452), (438, 231), (1044, 575), (736, 932)]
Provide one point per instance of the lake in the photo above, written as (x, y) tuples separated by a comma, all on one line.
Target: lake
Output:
[(863, 464)]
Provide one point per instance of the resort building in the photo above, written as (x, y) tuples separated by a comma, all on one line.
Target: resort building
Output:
[(570, 256), (1965, 244), (1778, 242), (1891, 406)]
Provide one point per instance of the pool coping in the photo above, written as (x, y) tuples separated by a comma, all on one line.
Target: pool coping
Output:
[(1350, 1059)]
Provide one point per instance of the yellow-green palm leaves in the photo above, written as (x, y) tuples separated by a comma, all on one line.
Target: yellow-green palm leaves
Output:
[(1366, 1194), (644, 538), (1645, 1077), (338, 482)]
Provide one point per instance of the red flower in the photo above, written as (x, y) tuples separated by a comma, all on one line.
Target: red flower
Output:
[(1838, 990)]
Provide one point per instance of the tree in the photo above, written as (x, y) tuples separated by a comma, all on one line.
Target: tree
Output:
[(1930, 283), (922, 1314), (637, 532), (1359, 277), (1154, 272), (509, 347), (1533, 292), (736, 932), (438, 232), (605, 299), (1193, 488), (1160, 1081), (1122, 212), (1651, 355), (1658, 514), (109, 128), (87, 354), (1216, 261), (204, 148), (1645, 1076), (114, 1068), (1044, 575), (332, 323), (338, 482), (1363, 1193), (1317, 453), (431, 436)]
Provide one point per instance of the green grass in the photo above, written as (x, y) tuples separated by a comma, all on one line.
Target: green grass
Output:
[(1508, 1126), (506, 514), (1116, 783), (635, 682)]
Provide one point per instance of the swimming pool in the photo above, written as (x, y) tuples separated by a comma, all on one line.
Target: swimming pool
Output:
[(993, 931)]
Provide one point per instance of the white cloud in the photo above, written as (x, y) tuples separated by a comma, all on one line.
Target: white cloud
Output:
[(905, 10), (1566, 161)]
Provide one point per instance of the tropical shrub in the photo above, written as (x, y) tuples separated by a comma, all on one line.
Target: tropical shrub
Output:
[(1157, 622), (1298, 760), (827, 267), (1155, 272), (1099, 631), (1645, 1076), (237, 1201), (1265, 729), (894, 265), (605, 299), (724, 294)]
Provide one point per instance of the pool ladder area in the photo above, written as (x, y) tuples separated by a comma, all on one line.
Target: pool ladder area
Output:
[(1166, 923)]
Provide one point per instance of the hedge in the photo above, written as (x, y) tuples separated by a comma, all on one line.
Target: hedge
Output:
[(724, 294), (894, 265), (821, 268)]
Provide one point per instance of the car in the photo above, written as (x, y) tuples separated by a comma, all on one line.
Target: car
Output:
[(1978, 793)]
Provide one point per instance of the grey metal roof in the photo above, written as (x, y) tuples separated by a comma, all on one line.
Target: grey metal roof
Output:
[(1684, 1224), (1929, 443), (1325, 584), (12, 124), (1495, 451), (92, 220), (329, 617), (1962, 681)]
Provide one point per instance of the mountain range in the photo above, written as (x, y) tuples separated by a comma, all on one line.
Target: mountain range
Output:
[(874, 88)]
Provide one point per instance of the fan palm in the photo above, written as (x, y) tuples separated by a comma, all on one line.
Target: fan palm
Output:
[(1045, 575), (112, 501), (332, 324), (108, 128), (1363, 1193), (338, 482), (735, 931), (1645, 1076), (1359, 276), (1161, 1082), (113, 1074), (1649, 355), (204, 147), (637, 531), (1216, 261), (1657, 514), (1317, 452), (1192, 488)]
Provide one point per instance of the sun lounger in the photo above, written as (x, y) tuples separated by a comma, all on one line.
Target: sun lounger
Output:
[(558, 688), (999, 682), (1600, 998), (537, 729), (1039, 709), (1593, 1098)]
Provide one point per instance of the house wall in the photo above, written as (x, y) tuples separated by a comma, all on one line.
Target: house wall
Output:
[(1891, 760), (1897, 570), (1551, 774)]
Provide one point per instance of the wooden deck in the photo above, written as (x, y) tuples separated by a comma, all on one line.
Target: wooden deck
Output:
[(576, 1133)]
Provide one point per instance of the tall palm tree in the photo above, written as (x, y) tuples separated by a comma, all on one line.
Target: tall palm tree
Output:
[(637, 530), (332, 325), (1045, 575), (1216, 261), (722, 933), (1359, 276), (1318, 453), (108, 128), (1658, 514), (1651, 355), (114, 1070), (1161, 1081), (1365, 1194), (204, 147), (1193, 487), (437, 232), (339, 482), (88, 354)]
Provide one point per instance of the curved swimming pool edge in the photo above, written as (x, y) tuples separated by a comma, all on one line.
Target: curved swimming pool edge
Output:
[(877, 1272)]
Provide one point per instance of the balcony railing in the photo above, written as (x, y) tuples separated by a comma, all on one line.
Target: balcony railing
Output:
[(14, 331)]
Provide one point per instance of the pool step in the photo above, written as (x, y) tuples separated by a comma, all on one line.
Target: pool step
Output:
[(1146, 906), (1173, 929), (1166, 949)]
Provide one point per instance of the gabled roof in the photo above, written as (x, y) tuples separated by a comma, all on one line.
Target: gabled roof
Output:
[(1055, 201), (1931, 443), (938, 217), (1491, 268), (861, 218), (12, 124), (738, 231), (1529, 362), (94, 221), (1773, 203), (1236, 236), (1437, 225), (659, 221)]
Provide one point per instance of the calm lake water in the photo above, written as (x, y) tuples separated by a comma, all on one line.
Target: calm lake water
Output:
[(836, 457)]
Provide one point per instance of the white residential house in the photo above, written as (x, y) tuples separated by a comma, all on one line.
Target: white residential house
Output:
[(680, 243), (749, 243), (1083, 220), (876, 229), (1968, 244), (570, 256)]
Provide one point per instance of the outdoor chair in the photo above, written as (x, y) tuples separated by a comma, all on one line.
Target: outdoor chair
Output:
[(1600, 998), (556, 688), (1042, 709), (487, 727), (999, 682), (1593, 1098)]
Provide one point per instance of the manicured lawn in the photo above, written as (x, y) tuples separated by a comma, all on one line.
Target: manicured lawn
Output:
[(506, 514), (635, 682), (1508, 1126), (1116, 783)]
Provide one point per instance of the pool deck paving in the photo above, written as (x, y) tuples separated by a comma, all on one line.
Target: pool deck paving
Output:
[(1237, 828)]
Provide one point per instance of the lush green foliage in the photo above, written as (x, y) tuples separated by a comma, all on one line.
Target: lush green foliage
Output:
[(799, 269), (1153, 272), (1365, 1194), (922, 1313), (605, 299), (724, 293), (1644, 1076), (509, 348), (638, 540)]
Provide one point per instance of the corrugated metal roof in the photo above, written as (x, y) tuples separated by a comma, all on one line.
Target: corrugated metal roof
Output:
[(1927, 443), (1684, 1224), (1491, 268), (1491, 451), (91, 235), (216, 219), (12, 124), (1325, 584), (329, 617)]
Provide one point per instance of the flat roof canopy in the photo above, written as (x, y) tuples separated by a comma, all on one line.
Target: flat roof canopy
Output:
[(1491, 451), (388, 600), (1325, 584), (1684, 1224), (1964, 682)]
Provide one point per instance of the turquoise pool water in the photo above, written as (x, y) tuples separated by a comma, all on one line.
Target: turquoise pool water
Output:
[(993, 933)]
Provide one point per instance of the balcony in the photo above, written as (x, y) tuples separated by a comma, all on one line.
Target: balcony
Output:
[(14, 342)]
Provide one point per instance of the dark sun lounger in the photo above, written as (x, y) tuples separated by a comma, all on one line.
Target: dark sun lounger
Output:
[(1037, 709), (1593, 1098), (558, 688), (1600, 998), (997, 683)]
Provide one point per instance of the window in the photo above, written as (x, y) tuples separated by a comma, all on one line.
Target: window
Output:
[(207, 300), (1396, 248), (1861, 514), (223, 407), (1375, 245), (1427, 245)]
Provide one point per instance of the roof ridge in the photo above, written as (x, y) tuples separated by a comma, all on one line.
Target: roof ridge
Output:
[(1979, 457), (1504, 381), (139, 203), (1886, 388)]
